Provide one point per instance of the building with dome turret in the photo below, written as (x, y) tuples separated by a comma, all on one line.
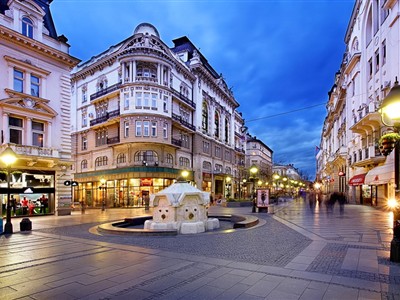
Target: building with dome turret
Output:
[(145, 112)]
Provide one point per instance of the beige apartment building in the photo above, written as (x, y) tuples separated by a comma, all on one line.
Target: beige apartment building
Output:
[(350, 159), (35, 109), (145, 112)]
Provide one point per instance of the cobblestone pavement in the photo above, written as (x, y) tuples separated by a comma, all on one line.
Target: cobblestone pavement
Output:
[(297, 253)]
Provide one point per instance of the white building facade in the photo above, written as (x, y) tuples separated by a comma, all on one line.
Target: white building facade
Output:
[(144, 113), (350, 160), (35, 110)]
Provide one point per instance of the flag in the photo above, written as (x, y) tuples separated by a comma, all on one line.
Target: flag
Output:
[(317, 150)]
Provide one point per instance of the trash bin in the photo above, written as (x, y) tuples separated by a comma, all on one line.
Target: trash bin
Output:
[(25, 224)]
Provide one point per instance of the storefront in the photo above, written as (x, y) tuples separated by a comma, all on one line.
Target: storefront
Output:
[(123, 189), (379, 178), (359, 191), (31, 192)]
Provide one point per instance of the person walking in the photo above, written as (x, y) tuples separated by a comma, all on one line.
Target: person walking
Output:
[(342, 200), (312, 198)]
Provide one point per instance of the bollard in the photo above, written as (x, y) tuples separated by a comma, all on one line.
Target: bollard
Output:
[(25, 225)]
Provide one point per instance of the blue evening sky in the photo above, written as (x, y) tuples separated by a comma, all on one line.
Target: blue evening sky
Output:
[(279, 57)]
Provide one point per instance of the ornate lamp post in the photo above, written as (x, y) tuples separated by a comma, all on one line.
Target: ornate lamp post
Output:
[(390, 113), (253, 172), (9, 157)]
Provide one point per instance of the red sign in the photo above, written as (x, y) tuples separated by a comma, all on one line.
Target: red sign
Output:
[(146, 182)]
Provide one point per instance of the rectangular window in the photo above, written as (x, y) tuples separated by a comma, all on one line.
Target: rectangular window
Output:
[(370, 68), (138, 100), (154, 101), (377, 61), (165, 103), (146, 128), (185, 140), (138, 126), (84, 96), (16, 127), (37, 134), (35, 83), (153, 128), (165, 131), (383, 52), (126, 101), (84, 143), (18, 81), (206, 147), (84, 120), (218, 152), (146, 102), (126, 129)]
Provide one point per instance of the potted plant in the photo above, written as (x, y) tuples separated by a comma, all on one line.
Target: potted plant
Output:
[(387, 142)]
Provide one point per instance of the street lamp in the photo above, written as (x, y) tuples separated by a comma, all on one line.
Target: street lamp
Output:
[(390, 113), (103, 189), (253, 172), (9, 157), (185, 174)]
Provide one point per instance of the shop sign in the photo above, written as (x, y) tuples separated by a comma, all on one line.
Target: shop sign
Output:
[(146, 182)]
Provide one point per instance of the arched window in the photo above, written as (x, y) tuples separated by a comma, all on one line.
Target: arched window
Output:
[(227, 126), (169, 159), (84, 164), (228, 170), (207, 165), (146, 156), (27, 27), (216, 123), (101, 161), (146, 70), (121, 158), (184, 162), (368, 29), (204, 117)]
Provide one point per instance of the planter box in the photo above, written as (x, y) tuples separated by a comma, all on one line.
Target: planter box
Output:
[(64, 211)]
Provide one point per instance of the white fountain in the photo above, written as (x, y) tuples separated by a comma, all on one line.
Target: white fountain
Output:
[(181, 207)]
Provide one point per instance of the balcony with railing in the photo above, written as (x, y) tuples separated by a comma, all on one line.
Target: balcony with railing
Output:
[(106, 117), (105, 91), (34, 151), (113, 140), (366, 156), (176, 142), (183, 122), (182, 97)]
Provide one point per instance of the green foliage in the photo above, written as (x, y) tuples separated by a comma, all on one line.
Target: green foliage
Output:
[(391, 137)]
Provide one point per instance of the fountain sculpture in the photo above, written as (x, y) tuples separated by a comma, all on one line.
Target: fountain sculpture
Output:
[(182, 207)]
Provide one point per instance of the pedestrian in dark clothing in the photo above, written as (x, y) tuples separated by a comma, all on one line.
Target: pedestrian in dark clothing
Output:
[(342, 200), (312, 198), (330, 203)]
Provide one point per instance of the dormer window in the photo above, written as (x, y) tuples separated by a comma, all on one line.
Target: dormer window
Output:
[(27, 27)]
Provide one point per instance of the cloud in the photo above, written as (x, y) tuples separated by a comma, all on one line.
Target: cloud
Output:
[(279, 56)]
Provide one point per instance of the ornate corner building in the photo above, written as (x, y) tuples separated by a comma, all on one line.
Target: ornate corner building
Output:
[(350, 160), (145, 112), (35, 110)]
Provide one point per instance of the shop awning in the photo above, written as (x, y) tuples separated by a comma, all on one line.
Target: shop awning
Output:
[(357, 179), (379, 175)]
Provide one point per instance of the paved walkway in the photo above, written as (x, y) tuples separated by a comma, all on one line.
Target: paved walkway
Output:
[(297, 253)]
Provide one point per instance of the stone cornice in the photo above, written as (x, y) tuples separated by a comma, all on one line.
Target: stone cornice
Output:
[(38, 47), (206, 76)]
